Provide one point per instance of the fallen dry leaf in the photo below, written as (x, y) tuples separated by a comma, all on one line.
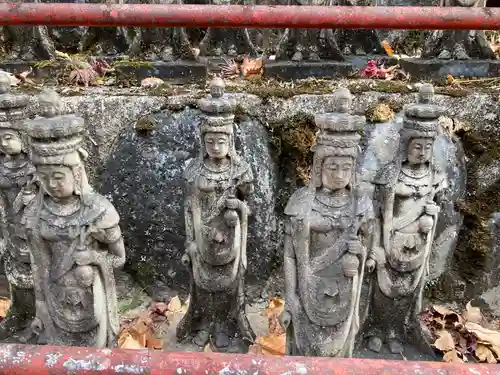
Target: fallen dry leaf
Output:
[(273, 311), (249, 68), (387, 48), (175, 305), (207, 348), (150, 82), (484, 334), (484, 354), (269, 345), (445, 341), (452, 356), (472, 314), (4, 306), (126, 341)]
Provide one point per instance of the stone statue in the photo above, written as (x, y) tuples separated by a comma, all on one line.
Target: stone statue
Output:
[(216, 212), (159, 43), (309, 44), (227, 42), (27, 43), (326, 237), (16, 190), (74, 236), (404, 233), (458, 44)]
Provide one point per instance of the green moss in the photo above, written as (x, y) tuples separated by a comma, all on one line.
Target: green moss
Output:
[(47, 64), (135, 64), (361, 86), (145, 124), (145, 273), (132, 302)]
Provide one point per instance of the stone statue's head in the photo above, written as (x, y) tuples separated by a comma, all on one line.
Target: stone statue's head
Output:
[(337, 172), (50, 104), (343, 100), (217, 145), (58, 181), (4, 83), (11, 142), (426, 94), (420, 150), (217, 87)]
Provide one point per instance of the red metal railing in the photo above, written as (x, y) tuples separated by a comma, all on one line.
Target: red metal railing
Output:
[(46, 360), (344, 17)]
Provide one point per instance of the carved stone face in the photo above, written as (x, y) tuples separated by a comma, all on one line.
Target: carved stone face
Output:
[(336, 172), (420, 150), (343, 104), (57, 180), (217, 145), (48, 108), (10, 142)]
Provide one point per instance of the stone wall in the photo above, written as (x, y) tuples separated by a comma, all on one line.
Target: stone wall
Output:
[(139, 142)]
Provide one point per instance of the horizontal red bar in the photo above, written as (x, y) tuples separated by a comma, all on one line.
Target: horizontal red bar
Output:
[(47, 360), (257, 16)]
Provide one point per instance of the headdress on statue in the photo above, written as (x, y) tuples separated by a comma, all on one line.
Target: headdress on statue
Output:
[(421, 118), (12, 106), (338, 130), (338, 134), (56, 139), (217, 110)]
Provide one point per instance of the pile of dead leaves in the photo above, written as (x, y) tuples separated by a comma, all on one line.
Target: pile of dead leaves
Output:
[(246, 68), (147, 329), (274, 342), (462, 337)]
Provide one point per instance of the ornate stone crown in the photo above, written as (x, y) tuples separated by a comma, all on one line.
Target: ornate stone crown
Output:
[(218, 112), (12, 106), (338, 130), (421, 118), (56, 140)]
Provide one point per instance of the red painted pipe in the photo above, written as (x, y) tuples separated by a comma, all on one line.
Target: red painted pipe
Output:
[(258, 16), (46, 360)]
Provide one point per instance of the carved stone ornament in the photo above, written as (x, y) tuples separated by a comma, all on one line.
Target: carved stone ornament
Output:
[(403, 236), (16, 190), (326, 241), (218, 184), (75, 238)]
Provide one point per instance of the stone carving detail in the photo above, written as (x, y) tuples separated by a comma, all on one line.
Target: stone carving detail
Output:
[(226, 42), (308, 44), (409, 192), (16, 190), (458, 44), (159, 43), (27, 42), (326, 237), (74, 236), (218, 184)]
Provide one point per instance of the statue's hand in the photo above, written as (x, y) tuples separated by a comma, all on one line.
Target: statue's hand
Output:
[(370, 265), (431, 208), (84, 258), (232, 203), (378, 256), (37, 325), (285, 318), (354, 245), (186, 260)]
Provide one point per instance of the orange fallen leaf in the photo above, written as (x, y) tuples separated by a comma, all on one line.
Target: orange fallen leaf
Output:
[(126, 341), (484, 334), (4, 306), (207, 348), (445, 341), (387, 48), (484, 354), (472, 314), (250, 68), (269, 345), (452, 356), (273, 311)]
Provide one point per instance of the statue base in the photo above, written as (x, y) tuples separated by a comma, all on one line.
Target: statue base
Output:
[(179, 71), (437, 68)]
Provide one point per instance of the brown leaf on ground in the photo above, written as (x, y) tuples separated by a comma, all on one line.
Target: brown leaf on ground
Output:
[(273, 311), (249, 68), (387, 48), (150, 82), (472, 314), (269, 345), (484, 354), (126, 341), (445, 341), (452, 356), (484, 334), (207, 348), (4, 307)]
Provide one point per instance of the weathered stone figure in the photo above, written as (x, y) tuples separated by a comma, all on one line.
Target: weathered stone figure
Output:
[(227, 42), (16, 189), (458, 44), (403, 238), (326, 238), (216, 213), (74, 236), (308, 44)]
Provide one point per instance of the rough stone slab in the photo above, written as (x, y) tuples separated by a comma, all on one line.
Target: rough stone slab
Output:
[(181, 71), (436, 68), (287, 70)]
